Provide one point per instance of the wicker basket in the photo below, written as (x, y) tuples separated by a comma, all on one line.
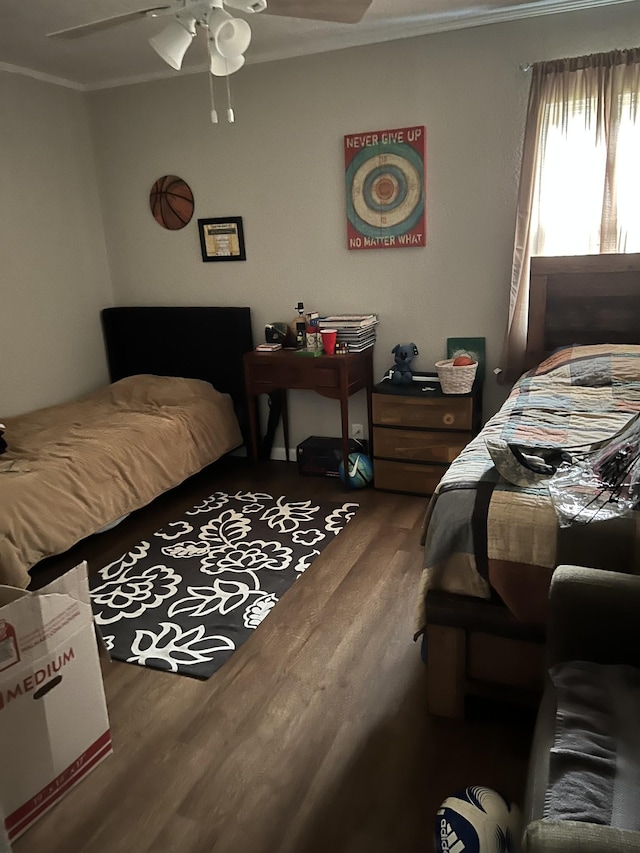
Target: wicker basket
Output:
[(456, 379)]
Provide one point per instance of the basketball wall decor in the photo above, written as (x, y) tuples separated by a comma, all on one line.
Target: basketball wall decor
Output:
[(384, 171), (171, 202)]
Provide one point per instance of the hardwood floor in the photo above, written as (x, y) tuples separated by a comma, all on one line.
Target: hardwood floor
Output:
[(314, 736)]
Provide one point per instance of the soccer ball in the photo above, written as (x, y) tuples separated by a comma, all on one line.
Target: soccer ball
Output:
[(477, 820), (360, 470)]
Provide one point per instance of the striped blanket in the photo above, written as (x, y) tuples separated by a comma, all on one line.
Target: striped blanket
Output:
[(487, 538)]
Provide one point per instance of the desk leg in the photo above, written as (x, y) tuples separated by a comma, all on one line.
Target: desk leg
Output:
[(370, 403), (344, 412), (285, 422), (252, 402)]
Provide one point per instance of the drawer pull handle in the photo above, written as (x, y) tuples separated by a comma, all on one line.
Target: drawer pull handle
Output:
[(448, 419)]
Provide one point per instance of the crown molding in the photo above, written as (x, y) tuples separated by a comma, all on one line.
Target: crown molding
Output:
[(427, 25), (39, 75), (147, 78), (359, 36)]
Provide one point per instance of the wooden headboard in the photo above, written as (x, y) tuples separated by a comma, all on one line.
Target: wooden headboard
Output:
[(193, 342), (582, 299)]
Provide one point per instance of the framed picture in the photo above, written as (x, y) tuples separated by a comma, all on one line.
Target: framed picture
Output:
[(474, 347), (222, 239)]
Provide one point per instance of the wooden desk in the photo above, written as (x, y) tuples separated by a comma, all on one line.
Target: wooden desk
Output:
[(334, 376)]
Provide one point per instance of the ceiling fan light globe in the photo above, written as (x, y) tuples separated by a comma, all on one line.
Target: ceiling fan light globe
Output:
[(232, 36), (220, 66), (173, 41)]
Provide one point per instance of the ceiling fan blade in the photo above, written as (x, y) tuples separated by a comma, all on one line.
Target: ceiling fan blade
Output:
[(341, 11), (106, 23)]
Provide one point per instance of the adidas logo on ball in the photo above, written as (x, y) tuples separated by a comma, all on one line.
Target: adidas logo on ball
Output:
[(449, 841), (477, 820)]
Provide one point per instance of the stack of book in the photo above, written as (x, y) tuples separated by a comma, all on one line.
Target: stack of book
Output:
[(357, 331)]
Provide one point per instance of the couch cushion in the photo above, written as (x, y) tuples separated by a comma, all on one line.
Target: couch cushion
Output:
[(570, 836), (594, 765)]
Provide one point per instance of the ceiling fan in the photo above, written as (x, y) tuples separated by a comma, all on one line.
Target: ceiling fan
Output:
[(227, 37), (339, 11)]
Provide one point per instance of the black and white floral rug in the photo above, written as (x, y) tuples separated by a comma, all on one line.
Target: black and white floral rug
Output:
[(185, 600)]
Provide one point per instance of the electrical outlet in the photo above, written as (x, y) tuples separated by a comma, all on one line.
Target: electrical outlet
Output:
[(357, 431)]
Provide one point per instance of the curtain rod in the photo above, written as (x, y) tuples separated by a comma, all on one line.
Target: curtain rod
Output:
[(526, 66)]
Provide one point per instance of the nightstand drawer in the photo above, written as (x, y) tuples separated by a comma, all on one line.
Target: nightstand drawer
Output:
[(410, 445), (407, 476), (423, 412)]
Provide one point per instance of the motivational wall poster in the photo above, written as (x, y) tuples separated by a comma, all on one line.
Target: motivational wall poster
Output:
[(385, 183)]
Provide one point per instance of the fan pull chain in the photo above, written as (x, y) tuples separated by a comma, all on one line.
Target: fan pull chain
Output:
[(230, 114), (214, 112)]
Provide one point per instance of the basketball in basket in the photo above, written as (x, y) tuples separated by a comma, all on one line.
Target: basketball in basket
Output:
[(456, 378)]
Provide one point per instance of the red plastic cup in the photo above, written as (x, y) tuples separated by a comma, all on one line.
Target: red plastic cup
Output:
[(329, 340)]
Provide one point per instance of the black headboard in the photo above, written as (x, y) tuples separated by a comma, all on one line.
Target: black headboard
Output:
[(194, 342)]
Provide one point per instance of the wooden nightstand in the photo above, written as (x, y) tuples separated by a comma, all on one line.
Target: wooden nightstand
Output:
[(417, 434)]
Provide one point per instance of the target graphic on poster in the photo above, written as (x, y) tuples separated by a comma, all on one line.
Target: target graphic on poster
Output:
[(384, 173)]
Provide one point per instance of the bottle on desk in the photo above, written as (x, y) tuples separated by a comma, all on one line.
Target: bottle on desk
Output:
[(299, 328), (301, 335), (304, 328)]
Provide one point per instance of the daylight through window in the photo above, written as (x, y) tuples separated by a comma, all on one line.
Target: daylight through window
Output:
[(587, 182)]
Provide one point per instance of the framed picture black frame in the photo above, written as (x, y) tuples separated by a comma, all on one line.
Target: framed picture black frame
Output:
[(222, 239)]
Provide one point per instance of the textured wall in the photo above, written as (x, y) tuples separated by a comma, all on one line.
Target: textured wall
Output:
[(53, 276), (280, 167)]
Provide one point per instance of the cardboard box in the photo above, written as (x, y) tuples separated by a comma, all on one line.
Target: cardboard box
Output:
[(321, 455), (54, 726)]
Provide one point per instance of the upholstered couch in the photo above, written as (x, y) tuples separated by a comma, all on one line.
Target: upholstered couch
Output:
[(584, 796)]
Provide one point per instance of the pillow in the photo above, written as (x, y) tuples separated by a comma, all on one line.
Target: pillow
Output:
[(594, 364)]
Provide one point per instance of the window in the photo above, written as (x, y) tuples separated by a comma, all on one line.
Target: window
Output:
[(587, 186), (579, 188)]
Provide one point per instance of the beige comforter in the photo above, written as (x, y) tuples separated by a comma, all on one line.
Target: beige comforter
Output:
[(71, 469)]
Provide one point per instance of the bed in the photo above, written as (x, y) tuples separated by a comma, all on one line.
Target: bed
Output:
[(175, 405), (491, 546)]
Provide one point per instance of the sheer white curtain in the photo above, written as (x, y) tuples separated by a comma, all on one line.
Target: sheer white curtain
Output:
[(580, 175)]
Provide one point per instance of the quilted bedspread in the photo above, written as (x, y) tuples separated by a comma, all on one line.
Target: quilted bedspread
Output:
[(75, 468), (485, 537)]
